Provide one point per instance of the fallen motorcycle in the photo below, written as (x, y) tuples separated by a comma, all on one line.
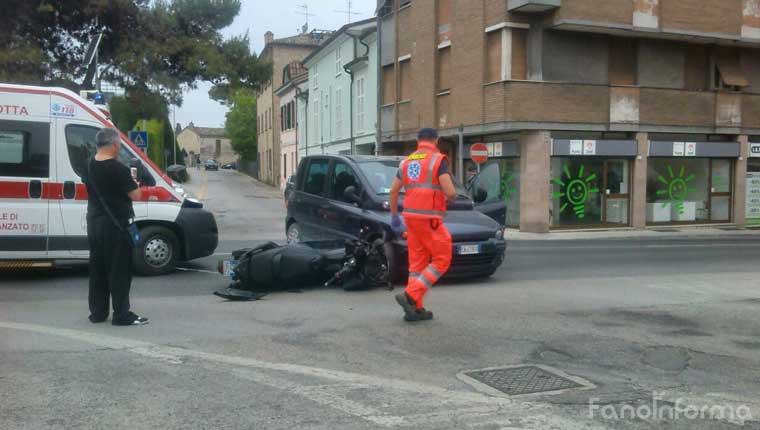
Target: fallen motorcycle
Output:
[(353, 265)]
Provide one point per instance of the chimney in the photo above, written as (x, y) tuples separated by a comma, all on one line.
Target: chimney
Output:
[(268, 37)]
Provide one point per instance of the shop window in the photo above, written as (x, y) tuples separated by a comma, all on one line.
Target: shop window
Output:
[(405, 72), (681, 190), (752, 206), (589, 191)]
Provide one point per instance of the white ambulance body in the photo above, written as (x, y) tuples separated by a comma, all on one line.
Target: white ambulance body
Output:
[(46, 137)]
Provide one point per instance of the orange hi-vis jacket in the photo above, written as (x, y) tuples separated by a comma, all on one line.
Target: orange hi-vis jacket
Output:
[(423, 195)]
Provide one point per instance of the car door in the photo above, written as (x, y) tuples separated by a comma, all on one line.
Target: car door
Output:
[(310, 201), (342, 218), (491, 180), (72, 157), (25, 189)]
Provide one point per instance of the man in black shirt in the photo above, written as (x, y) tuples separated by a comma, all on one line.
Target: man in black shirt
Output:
[(110, 183)]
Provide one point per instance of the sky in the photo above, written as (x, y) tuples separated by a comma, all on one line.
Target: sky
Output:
[(281, 17)]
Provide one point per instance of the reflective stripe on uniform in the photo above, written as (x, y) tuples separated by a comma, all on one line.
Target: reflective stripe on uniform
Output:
[(424, 280), (424, 212), (423, 185), (431, 168), (414, 274), (434, 272)]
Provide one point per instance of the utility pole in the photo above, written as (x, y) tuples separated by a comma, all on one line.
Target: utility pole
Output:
[(304, 10), (348, 12)]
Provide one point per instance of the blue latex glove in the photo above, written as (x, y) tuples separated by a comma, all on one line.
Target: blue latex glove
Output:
[(397, 224)]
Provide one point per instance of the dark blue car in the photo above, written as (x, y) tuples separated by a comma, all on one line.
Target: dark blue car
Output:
[(335, 196)]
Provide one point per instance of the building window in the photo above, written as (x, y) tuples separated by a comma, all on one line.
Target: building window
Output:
[(315, 107), (338, 62), (217, 148), (338, 113), (389, 85), (360, 103), (285, 165), (444, 70), (506, 52), (314, 78), (405, 71), (326, 107)]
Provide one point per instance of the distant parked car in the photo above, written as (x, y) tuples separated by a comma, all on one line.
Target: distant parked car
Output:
[(212, 165), (232, 165)]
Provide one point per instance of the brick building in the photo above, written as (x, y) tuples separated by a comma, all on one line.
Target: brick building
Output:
[(597, 113), (280, 53)]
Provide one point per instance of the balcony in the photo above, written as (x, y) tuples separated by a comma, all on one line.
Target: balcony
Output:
[(624, 107), (522, 101), (532, 6)]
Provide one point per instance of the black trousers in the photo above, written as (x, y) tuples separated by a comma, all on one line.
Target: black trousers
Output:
[(110, 269)]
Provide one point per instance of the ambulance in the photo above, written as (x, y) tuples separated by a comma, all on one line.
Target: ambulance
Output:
[(46, 137)]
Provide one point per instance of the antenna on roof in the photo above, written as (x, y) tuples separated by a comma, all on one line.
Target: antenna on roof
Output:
[(304, 10), (348, 12)]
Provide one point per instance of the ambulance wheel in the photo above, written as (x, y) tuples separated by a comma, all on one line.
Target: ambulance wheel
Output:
[(157, 252)]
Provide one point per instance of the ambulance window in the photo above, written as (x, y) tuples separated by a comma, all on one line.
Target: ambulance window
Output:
[(80, 142), (24, 149)]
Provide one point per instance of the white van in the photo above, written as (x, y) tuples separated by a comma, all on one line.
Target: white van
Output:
[(46, 137)]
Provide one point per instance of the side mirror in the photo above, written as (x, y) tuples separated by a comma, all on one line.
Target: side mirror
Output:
[(480, 195), (350, 195)]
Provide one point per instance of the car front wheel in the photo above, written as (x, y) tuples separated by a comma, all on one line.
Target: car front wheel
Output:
[(157, 252)]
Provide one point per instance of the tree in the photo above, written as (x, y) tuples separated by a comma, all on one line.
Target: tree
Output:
[(158, 47), (240, 123)]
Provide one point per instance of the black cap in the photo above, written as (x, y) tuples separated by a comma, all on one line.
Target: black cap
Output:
[(427, 134)]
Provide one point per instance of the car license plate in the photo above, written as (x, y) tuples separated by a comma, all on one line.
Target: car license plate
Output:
[(228, 268), (468, 249)]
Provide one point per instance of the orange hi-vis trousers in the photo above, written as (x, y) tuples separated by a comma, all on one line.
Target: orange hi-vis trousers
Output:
[(429, 246)]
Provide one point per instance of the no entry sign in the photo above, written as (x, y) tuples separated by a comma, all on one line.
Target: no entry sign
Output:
[(479, 153)]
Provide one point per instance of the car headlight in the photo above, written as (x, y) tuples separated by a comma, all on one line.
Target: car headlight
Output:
[(499, 234)]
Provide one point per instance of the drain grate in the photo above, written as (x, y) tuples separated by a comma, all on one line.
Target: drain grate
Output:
[(523, 380)]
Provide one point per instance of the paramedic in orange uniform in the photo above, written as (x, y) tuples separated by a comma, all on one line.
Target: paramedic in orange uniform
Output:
[(427, 185)]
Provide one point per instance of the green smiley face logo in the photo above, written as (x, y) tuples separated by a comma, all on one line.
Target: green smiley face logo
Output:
[(576, 191), (676, 187), (506, 186)]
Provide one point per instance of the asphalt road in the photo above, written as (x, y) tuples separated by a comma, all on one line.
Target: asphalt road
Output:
[(674, 321)]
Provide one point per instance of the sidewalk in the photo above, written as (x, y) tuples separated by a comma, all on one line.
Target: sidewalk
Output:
[(662, 232)]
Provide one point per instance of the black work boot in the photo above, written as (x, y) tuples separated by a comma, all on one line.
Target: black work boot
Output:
[(410, 311)]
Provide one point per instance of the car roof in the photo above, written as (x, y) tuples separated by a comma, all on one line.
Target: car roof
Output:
[(359, 158)]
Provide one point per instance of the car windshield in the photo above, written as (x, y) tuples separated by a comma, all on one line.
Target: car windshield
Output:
[(380, 175)]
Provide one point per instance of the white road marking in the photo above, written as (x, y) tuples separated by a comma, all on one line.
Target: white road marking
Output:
[(465, 409)]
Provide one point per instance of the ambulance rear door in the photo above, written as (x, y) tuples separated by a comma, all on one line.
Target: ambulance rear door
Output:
[(25, 172)]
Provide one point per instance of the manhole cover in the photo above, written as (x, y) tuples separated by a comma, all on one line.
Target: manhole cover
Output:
[(523, 380)]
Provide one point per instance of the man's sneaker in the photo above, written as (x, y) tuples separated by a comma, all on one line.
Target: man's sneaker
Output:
[(420, 314), (136, 321)]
